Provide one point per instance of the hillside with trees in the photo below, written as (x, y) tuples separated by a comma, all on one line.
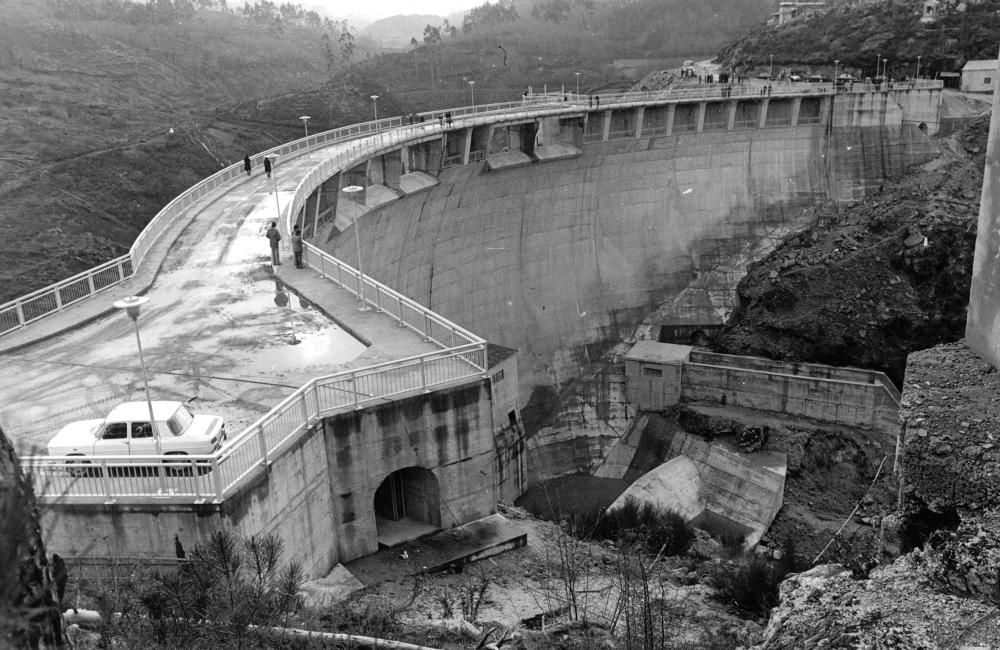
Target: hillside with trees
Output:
[(507, 45), (862, 35)]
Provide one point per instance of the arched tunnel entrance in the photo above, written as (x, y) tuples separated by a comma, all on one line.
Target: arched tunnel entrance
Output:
[(407, 506)]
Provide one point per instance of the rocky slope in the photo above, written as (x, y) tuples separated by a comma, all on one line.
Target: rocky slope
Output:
[(951, 452), (872, 282), (899, 606)]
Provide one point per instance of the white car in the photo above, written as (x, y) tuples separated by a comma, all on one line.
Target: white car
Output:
[(127, 432)]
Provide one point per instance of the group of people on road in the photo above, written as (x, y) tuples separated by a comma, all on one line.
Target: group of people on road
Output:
[(274, 237), (247, 166), (273, 234)]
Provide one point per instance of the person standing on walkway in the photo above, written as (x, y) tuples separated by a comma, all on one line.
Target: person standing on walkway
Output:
[(274, 236), (246, 164), (267, 167), (297, 247)]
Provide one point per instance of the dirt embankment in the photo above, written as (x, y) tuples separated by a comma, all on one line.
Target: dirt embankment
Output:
[(874, 281)]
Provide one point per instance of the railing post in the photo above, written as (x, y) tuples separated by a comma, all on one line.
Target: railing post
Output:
[(217, 478), (105, 481), (378, 299), (423, 374), (262, 442), (90, 281), (399, 301), (354, 390), (427, 327), (20, 314), (305, 408)]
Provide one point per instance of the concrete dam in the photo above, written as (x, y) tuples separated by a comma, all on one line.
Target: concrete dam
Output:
[(550, 229), (562, 258)]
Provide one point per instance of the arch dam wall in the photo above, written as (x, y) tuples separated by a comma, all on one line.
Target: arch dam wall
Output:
[(561, 259)]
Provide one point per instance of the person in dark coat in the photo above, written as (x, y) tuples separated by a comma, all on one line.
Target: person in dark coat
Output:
[(274, 236), (179, 548), (267, 167), (246, 164), (59, 575), (297, 247)]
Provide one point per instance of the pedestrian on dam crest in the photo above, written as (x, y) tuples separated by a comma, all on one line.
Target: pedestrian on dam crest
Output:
[(267, 166), (246, 164), (274, 236), (297, 246)]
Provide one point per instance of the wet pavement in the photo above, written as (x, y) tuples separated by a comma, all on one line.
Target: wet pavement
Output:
[(221, 331)]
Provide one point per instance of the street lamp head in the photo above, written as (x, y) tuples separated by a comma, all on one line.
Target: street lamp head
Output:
[(374, 97), (304, 118), (352, 189), (131, 305)]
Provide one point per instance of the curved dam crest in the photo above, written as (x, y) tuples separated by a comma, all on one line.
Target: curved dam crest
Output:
[(562, 259)]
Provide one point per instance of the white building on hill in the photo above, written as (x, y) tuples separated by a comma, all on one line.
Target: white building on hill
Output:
[(977, 76)]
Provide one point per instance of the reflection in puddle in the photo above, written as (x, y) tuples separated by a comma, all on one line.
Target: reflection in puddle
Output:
[(307, 337)]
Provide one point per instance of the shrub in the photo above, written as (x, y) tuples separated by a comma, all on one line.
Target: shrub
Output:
[(751, 581), (228, 585), (657, 530)]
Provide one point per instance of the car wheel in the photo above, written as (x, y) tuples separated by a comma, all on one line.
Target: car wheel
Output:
[(76, 468), (178, 467)]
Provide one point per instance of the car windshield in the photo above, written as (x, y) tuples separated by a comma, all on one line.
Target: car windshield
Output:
[(180, 420)]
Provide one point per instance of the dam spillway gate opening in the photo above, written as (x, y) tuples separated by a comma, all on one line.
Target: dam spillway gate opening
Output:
[(407, 505)]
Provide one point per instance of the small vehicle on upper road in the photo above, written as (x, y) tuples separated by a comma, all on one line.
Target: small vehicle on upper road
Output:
[(127, 431)]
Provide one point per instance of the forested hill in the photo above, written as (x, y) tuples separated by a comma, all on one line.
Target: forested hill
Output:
[(862, 35), (507, 45)]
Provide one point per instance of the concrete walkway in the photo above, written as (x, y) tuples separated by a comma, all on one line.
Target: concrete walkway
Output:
[(221, 331)]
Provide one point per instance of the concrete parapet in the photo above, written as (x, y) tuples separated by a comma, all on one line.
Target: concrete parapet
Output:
[(848, 396)]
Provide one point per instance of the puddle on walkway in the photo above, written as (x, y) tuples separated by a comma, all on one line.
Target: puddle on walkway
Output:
[(305, 337)]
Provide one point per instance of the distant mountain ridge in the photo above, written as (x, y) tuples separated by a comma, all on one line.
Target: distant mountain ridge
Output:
[(396, 31)]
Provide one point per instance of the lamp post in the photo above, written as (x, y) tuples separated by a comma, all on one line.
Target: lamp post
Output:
[(352, 191), (771, 69), (274, 177), (916, 75), (375, 109), (885, 69), (472, 89), (132, 305), (578, 82), (305, 122), (878, 65)]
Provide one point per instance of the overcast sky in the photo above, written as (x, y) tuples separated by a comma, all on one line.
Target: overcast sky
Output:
[(376, 9)]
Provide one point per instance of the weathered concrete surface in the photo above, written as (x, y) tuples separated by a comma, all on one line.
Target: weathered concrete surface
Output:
[(982, 328), (747, 489), (674, 485), (561, 259)]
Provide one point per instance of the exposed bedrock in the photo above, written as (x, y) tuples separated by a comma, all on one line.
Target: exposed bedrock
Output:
[(563, 259)]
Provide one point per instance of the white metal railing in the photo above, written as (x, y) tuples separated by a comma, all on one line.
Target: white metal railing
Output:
[(193, 479)]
